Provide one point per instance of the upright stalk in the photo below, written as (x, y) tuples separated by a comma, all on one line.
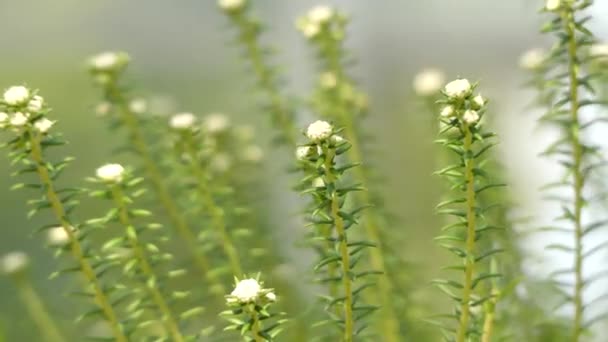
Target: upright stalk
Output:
[(87, 269), (256, 327), (470, 239), (577, 156), (157, 297)]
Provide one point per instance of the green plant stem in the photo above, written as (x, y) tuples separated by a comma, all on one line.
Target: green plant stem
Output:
[(249, 32), (184, 231), (577, 151), (470, 240), (256, 326), (488, 324), (100, 296), (146, 269), (216, 211), (36, 309), (349, 324)]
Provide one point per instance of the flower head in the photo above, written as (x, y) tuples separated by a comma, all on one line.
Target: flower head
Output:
[(16, 95), (308, 28), (447, 111), (19, 119), (138, 106), (428, 82), (552, 5), (318, 182), (35, 104), (320, 14), (43, 125), (182, 121), (13, 262), (108, 61), (4, 118), (103, 108), (112, 173), (247, 290), (57, 236), (532, 59), (328, 80), (459, 88), (231, 5), (479, 101), (271, 297), (302, 152), (319, 130), (216, 123), (470, 116)]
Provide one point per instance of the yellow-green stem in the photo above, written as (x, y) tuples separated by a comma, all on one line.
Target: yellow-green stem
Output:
[(577, 151), (256, 325), (215, 211), (469, 267), (169, 320), (36, 309), (488, 324), (100, 297), (184, 231)]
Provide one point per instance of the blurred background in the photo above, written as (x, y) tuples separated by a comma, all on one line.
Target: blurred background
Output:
[(180, 54)]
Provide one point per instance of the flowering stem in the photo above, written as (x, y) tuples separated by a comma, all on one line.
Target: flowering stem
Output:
[(216, 212), (256, 325), (155, 176), (343, 249), (469, 267), (577, 151), (36, 309), (145, 267), (488, 324), (100, 296)]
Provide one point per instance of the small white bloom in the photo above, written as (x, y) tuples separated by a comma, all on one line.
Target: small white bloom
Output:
[(43, 125), (108, 61), (599, 51), (3, 119), (16, 95), (221, 162), (253, 153), (138, 106), (19, 119), (246, 290), (479, 100), (447, 111), (13, 262), (318, 182), (328, 80), (231, 5), (470, 116), (57, 236), (271, 297), (428, 82), (319, 130), (532, 59), (320, 14), (111, 173), (302, 152), (459, 88), (308, 28), (552, 5), (103, 108), (336, 139), (35, 104), (216, 123), (182, 121)]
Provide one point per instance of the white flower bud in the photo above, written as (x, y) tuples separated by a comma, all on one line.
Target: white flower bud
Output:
[(138, 106), (246, 291), (532, 59), (302, 152), (16, 95), (43, 125), (459, 88), (3, 119), (470, 116), (271, 297), (216, 123), (111, 173), (447, 111), (308, 28), (35, 104), (428, 82), (320, 14), (336, 139), (182, 121), (552, 5), (479, 101), (108, 61), (231, 5), (57, 236), (103, 108), (19, 119), (318, 182), (253, 153), (328, 80), (13, 262), (319, 130)]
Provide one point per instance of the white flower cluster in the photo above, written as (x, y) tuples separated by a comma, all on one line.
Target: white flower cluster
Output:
[(23, 103), (553, 5), (460, 90), (107, 62), (182, 121), (428, 82), (311, 24), (319, 130), (111, 173), (249, 291), (532, 59), (16, 95), (231, 5), (13, 263)]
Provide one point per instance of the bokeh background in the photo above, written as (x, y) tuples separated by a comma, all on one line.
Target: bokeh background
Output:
[(182, 55)]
